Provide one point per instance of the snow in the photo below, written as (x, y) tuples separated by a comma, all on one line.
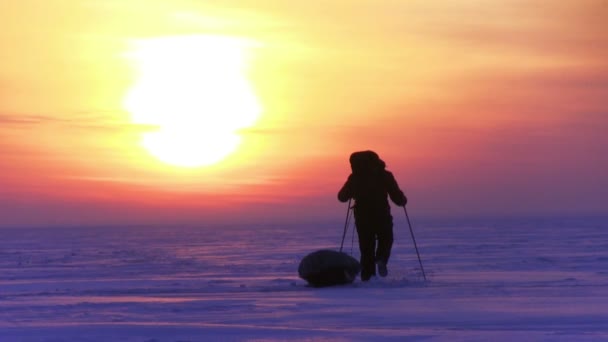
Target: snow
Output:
[(493, 280)]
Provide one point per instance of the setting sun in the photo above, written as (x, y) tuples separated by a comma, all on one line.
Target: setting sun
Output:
[(194, 93)]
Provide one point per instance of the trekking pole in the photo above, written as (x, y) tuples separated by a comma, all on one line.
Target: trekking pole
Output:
[(352, 241), (345, 224), (414, 239)]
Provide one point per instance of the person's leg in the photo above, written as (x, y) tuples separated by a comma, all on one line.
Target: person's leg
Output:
[(367, 246), (385, 244)]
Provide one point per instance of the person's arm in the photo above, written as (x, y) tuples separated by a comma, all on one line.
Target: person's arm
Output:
[(346, 192), (394, 192)]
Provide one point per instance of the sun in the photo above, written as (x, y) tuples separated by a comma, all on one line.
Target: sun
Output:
[(194, 92)]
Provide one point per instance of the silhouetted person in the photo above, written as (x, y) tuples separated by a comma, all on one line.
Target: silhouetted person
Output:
[(369, 185)]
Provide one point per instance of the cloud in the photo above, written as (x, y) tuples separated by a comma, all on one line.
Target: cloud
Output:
[(96, 121)]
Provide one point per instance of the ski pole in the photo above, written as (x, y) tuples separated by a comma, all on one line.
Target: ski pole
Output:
[(414, 239), (352, 241), (345, 224)]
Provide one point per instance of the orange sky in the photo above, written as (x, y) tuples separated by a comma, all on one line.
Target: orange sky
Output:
[(478, 107)]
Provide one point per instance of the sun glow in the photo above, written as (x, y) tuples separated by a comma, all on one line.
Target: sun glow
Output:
[(194, 91)]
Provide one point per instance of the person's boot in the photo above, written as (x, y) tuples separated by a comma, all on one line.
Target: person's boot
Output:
[(382, 270)]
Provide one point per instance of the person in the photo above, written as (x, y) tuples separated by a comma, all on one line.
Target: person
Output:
[(369, 184)]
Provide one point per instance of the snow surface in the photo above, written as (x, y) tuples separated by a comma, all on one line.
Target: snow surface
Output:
[(526, 280)]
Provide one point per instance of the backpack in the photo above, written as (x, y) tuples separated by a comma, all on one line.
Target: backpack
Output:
[(366, 162), (368, 177)]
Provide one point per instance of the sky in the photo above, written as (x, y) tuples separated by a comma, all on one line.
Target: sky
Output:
[(479, 108)]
